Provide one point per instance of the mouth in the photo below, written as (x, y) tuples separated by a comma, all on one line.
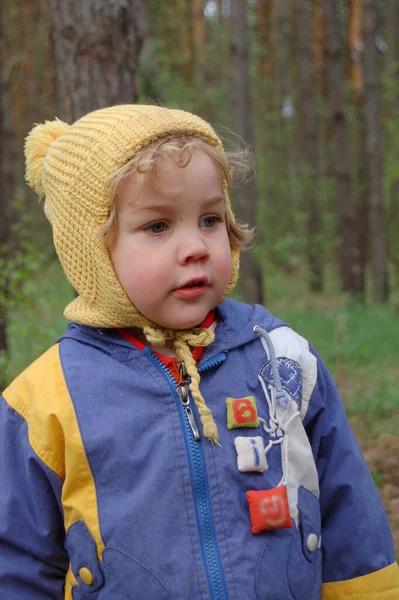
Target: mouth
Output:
[(194, 283), (192, 289)]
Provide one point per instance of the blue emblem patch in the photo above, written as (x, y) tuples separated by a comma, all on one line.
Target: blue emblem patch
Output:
[(290, 375)]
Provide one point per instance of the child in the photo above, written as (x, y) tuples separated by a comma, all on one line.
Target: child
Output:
[(174, 444)]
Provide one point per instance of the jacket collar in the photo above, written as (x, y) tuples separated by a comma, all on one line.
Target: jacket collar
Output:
[(236, 323)]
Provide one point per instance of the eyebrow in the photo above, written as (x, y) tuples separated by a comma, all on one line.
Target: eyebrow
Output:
[(210, 202)]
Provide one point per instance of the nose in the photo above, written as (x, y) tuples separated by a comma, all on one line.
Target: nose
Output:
[(193, 247)]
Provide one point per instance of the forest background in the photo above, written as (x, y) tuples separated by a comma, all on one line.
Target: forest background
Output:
[(312, 87)]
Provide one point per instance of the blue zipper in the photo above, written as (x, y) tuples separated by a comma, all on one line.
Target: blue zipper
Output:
[(199, 482), (212, 362)]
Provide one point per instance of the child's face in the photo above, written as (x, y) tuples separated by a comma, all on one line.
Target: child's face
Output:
[(172, 253)]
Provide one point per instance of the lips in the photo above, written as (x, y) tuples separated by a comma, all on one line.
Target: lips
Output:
[(193, 288), (194, 283)]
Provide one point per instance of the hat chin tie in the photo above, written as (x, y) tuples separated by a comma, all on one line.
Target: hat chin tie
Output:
[(181, 341)]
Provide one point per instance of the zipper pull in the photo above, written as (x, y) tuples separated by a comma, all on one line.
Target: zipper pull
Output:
[(182, 372), (182, 391)]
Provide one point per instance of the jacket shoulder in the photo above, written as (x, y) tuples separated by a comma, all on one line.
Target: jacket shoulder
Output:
[(41, 375), (289, 344), (40, 396)]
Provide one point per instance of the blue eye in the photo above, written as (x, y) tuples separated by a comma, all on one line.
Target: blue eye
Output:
[(210, 221), (158, 227)]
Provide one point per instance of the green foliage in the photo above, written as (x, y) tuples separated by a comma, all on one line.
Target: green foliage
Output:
[(35, 319), (33, 290)]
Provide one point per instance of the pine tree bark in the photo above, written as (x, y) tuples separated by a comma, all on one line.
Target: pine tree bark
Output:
[(6, 187), (200, 70), (392, 20), (266, 83), (282, 58), (321, 80), (308, 111), (264, 36), (199, 27), (348, 250), (250, 278), (356, 78), (320, 67), (355, 49), (372, 77), (184, 26), (96, 45)]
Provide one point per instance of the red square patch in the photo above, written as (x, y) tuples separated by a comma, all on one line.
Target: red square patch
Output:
[(269, 509)]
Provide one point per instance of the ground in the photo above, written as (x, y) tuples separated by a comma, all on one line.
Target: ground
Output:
[(382, 456)]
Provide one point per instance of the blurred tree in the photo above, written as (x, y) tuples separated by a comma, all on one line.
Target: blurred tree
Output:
[(282, 29), (392, 131), (250, 278), (96, 47), (273, 116), (5, 195), (309, 115), (372, 78), (266, 41), (201, 62), (319, 64), (348, 248), (355, 47), (392, 20), (184, 22), (199, 31), (361, 178), (28, 76)]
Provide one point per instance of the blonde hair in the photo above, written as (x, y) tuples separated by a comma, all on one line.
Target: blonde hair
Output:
[(237, 166)]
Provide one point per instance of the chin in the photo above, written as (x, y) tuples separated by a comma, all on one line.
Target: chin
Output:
[(180, 324), (184, 325)]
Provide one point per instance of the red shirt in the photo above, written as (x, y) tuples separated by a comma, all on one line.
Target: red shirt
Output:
[(170, 362)]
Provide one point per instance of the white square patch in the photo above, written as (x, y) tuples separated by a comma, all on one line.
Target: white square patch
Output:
[(250, 454)]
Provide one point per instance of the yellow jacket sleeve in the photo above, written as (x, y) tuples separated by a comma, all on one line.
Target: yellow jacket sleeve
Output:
[(380, 585)]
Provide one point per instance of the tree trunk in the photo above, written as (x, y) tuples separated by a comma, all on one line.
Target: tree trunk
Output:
[(372, 76), (321, 80), (355, 49), (199, 27), (304, 23), (6, 180), (200, 59), (96, 45), (266, 84), (282, 58), (184, 27), (250, 278), (318, 50), (355, 73), (348, 252), (392, 21), (362, 204), (264, 37)]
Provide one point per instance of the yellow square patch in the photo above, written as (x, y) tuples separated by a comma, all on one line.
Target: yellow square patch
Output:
[(242, 412)]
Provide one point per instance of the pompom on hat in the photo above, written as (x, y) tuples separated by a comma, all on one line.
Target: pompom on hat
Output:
[(70, 166)]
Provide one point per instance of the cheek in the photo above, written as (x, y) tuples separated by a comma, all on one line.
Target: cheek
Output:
[(228, 268), (223, 265)]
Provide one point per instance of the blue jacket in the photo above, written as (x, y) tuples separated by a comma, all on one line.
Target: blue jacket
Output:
[(106, 495)]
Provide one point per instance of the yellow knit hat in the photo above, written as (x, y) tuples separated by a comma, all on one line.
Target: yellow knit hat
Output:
[(70, 165)]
